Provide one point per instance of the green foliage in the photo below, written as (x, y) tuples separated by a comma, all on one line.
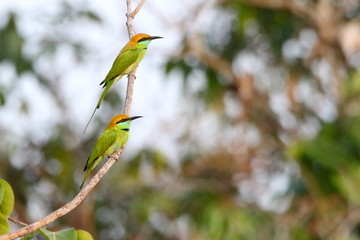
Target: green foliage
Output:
[(214, 89), (219, 218), (2, 95), (182, 66), (332, 156), (6, 205), (29, 236), (351, 87), (11, 45), (6, 198), (273, 27), (83, 235), (142, 210), (69, 233), (56, 150), (66, 234), (215, 86), (298, 233), (4, 225), (348, 180)]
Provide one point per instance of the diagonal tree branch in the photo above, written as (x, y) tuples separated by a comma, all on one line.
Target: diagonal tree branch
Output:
[(105, 168), (70, 205)]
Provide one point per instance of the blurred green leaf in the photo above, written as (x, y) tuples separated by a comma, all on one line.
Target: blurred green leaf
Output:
[(348, 181), (83, 235), (4, 224), (7, 198), (11, 44), (159, 162), (328, 157), (181, 65), (93, 16), (351, 87), (149, 202), (2, 95), (298, 233), (1, 192), (214, 89), (65, 234), (29, 236)]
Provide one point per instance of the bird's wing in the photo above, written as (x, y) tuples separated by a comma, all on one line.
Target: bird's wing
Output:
[(121, 139), (124, 63), (103, 143)]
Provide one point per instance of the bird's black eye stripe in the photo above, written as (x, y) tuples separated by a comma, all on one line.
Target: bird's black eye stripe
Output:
[(143, 39), (122, 120), (125, 129)]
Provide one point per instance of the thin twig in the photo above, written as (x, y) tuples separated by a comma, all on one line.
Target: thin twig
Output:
[(131, 77), (17, 221), (137, 9), (129, 23)]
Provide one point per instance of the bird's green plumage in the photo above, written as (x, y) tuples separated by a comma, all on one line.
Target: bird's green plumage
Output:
[(111, 139), (108, 142), (126, 61)]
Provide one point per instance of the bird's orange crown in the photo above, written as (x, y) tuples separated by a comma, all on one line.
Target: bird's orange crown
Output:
[(116, 119), (136, 38)]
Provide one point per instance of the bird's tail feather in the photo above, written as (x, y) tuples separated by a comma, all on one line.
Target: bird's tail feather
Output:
[(98, 104), (103, 95), (92, 115), (86, 176)]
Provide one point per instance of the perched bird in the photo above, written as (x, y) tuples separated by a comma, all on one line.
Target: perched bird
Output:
[(111, 139), (125, 62)]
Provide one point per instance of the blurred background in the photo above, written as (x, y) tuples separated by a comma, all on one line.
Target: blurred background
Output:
[(251, 125)]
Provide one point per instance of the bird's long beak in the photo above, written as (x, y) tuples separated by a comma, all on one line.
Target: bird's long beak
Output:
[(133, 118), (155, 37)]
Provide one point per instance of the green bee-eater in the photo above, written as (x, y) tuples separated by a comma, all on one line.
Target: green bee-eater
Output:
[(126, 61), (111, 139)]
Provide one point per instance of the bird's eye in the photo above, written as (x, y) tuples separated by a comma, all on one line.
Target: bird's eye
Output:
[(122, 120), (143, 39)]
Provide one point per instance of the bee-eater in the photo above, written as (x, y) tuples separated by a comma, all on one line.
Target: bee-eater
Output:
[(111, 139), (126, 61)]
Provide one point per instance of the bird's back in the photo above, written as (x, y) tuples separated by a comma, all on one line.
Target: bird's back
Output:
[(124, 63)]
